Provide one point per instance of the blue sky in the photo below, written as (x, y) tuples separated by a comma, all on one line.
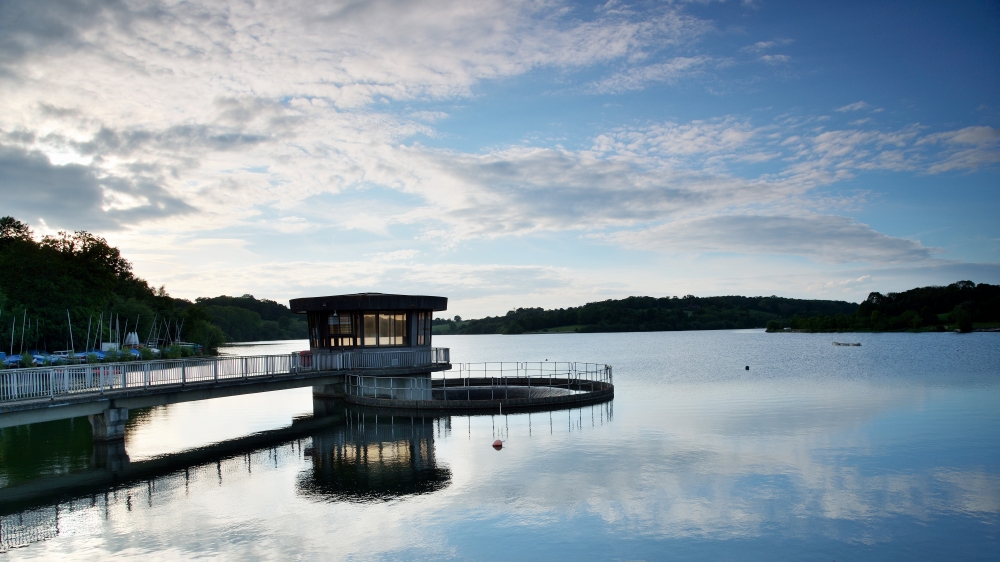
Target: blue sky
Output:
[(518, 153)]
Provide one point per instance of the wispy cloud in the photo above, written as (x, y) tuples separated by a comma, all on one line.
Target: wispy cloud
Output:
[(856, 106), (830, 239), (640, 77), (970, 148), (775, 59), (761, 46)]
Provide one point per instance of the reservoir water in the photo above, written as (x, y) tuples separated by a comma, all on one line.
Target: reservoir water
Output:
[(887, 451)]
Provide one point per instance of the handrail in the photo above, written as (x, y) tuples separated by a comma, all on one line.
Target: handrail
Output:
[(41, 382), (573, 376)]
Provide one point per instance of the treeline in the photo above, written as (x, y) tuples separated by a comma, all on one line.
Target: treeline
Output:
[(79, 279), (958, 306), (81, 276), (249, 319), (649, 314)]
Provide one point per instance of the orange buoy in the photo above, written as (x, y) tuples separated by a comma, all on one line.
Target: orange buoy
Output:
[(498, 444)]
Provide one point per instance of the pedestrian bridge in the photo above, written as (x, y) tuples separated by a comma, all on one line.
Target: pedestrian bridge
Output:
[(106, 392)]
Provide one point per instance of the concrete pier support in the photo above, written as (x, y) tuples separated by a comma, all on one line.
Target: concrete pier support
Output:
[(335, 390), (109, 425)]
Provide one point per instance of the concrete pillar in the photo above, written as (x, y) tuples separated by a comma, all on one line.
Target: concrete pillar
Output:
[(335, 390), (109, 425)]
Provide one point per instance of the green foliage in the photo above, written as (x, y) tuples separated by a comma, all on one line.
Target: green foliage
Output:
[(249, 319), (775, 326), (960, 304), (146, 354), (27, 360), (513, 328), (963, 315), (93, 358)]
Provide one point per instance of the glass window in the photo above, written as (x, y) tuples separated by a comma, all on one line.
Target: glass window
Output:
[(313, 330), (399, 330), (386, 329), (340, 324), (423, 328), (371, 330), (342, 329)]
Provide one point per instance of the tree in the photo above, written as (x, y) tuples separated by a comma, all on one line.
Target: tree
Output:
[(12, 229)]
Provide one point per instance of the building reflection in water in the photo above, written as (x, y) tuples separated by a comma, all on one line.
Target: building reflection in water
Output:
[(355, 455), (341, 453), (374, 457)]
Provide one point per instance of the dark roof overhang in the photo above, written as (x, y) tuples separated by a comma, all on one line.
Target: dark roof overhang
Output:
[(368, 301)]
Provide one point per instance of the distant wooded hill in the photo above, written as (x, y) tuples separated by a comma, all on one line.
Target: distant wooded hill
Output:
[(249, 319), (649, 314), (963, 306)]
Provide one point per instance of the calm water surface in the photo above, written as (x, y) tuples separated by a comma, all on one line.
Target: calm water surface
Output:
[(888, 451)]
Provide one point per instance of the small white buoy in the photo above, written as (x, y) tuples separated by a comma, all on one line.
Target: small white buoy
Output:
[(498, 444)]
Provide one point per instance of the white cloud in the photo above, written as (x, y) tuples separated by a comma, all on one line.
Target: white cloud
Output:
[(761, 46), (967, 149), (775, 59), (828, 239), (639, 77), (856, 106)]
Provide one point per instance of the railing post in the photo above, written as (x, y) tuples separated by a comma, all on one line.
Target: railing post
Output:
[(145, 374), (215, 369), (52, 383), (183, 372)]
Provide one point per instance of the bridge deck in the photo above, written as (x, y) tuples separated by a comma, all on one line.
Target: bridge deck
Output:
[(43, 394)]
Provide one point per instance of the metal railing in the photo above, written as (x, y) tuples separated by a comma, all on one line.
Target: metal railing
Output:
[(557, 373), (41, 382), (499, 377)]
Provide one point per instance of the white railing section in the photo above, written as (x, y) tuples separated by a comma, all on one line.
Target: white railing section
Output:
[(41, 382), (557, 373), (499, 376)]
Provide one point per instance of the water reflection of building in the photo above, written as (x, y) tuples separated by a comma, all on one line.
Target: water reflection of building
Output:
[(342, 453), (374, 457)]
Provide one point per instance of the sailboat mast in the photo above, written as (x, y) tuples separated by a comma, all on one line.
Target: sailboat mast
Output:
[(20, 349), (70, 323)]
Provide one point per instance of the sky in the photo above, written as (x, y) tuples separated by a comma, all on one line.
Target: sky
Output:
[(511, 153)]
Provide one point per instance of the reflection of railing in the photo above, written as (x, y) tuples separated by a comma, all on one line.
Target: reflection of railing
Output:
[(344, 455), (26, 527), (41, 382)]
